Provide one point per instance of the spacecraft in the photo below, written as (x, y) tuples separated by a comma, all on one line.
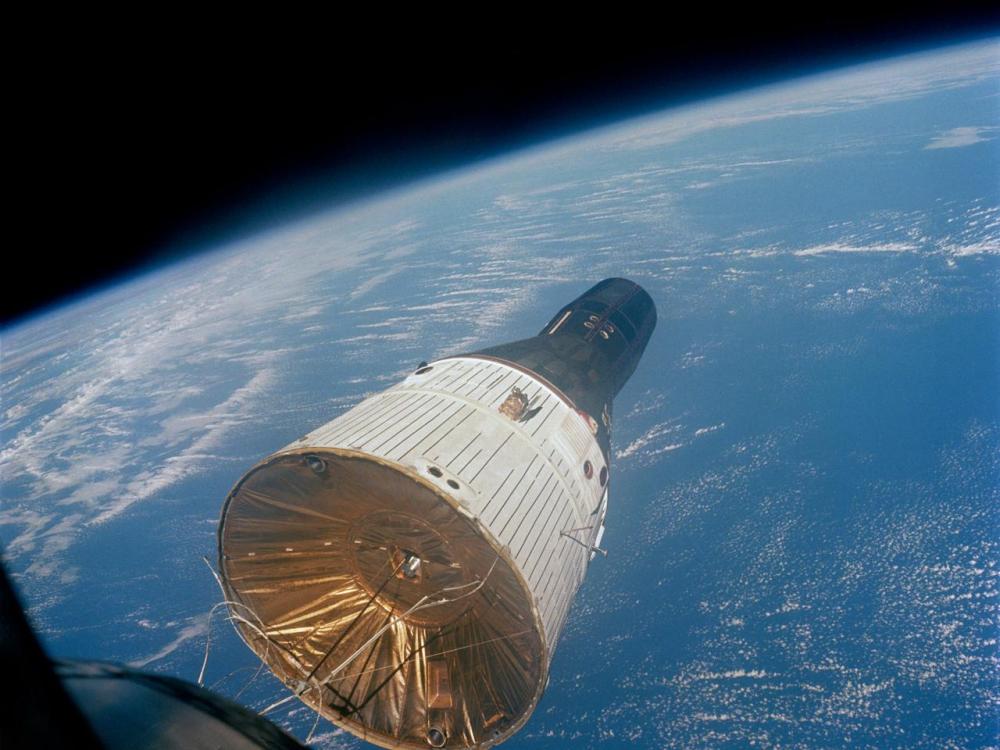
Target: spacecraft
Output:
[(407, 568), (92, 704)]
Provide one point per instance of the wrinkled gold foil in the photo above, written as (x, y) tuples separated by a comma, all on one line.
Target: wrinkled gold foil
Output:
[(314, 546)]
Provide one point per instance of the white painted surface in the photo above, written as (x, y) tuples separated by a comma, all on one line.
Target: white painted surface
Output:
[(523, 481)]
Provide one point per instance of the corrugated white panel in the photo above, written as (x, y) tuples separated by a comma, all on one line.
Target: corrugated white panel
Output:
[(524, 481)]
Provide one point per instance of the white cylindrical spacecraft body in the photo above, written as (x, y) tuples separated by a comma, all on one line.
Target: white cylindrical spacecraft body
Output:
[(408, 567)]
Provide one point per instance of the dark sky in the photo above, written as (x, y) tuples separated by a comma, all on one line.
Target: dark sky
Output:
[(131, 153)]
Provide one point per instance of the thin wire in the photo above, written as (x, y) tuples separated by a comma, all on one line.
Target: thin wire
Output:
[(442, 653), (267, 640), (253, 677), (225, 599), (276, 704), (422, 603), (310, 634), (310, 683), (396, 669), (375, 646), (357, 618), (249, 682), (208, 642), (315, 724), (222, 680), (306, 686), (259, 630), (239, 618)]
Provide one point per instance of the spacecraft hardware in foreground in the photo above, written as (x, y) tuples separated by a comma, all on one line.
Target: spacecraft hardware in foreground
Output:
[(407, 568), (90, 705)]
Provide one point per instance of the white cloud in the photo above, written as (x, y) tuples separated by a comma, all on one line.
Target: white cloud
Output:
[(705, 430), (985, 247), (651, 435), (875, 247), (196, 628), (959, 137)]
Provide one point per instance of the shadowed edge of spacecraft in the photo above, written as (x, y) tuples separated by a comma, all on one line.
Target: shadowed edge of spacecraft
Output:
[(407, 568), (87, 704)]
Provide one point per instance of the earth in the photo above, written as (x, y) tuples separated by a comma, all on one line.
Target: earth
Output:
[(805, 502)]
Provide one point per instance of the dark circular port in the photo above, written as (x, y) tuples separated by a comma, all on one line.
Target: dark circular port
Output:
[(434, 471), (422, 370), (588, 469), (453, 484), (435, 737), (604, 475), (316, 464)]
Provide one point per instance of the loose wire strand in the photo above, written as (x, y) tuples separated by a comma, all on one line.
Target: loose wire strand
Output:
[(239, 618), (442, 653), (260, 631), (421, 604), (310, 683)]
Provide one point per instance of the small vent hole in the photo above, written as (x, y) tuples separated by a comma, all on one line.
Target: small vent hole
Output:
[(434, 471)]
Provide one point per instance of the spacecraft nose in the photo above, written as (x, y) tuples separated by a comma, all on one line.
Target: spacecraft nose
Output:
[(616, 318), (623, 304)]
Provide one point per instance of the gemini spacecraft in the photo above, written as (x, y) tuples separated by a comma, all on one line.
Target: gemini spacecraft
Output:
[(407, 569)]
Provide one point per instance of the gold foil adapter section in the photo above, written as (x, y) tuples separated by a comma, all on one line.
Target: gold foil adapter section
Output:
[(372, 595)]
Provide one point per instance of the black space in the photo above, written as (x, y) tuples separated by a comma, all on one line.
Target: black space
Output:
[(131, 153)]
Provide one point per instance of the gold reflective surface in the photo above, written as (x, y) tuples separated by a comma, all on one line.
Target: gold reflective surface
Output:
[(369, 594)]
